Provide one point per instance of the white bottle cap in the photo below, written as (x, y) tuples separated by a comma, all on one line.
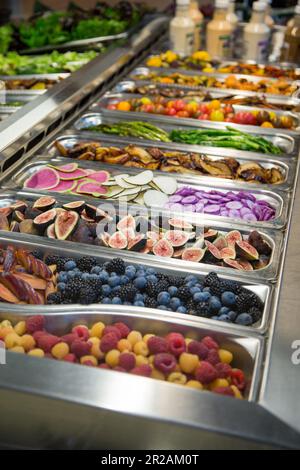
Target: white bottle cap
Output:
[(222, 3), (259, 6), (297, 9), (183, 3)]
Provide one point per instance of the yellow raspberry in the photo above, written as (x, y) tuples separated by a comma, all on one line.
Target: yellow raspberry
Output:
[(36, 352), (134, 337), (141, 348), (188, 362), (97, 329), (60, 350), (194, 384), (124, 345), (177, 378), (20, 328), (87, 359), (28, 342), (112, 358)]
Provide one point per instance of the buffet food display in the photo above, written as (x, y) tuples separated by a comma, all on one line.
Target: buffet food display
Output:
[(151, 227)]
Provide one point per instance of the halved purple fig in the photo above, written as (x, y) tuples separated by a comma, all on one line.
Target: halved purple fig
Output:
[(138, 243), (228, 252), (27, 226), (178, 252), (90, 211), (220, 243), (18, 216), (45, 219), (126, 222), (212, 251), (86, 218), (193, 254), (232, 263), (65, 224), (44, 203), (245, 265), (176, 237), (180, 224), (233, 237), (163, 248), (210, 234), (153, 235), (118, 241), (245, 250), (76, 206), (14, 226), (17, 206), (50, 232)]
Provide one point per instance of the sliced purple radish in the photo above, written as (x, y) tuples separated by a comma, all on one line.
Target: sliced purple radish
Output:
[(175, 198), (189, 200), (45, 178), (99, 176), (234, 205), (74, 175), (95, 189), (64, 186), (68, 168)]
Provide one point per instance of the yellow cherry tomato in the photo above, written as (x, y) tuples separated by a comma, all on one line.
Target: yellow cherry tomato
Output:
[(123, 106), (214, 104), (201, 55), (145, 100), (154, 61), (208, 70), (170, 56), (217, 115), (267, 124)]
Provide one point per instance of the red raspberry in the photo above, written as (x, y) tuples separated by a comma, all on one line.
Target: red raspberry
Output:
[(127, 361), (238, 378), (170, 336), (195, 347), (38, 334), (143, 370), (69, 338), (89, 363), (165, 362), (104, 366), (108, 342), (176, 345), (35, 323), (123, 328), (156, 344), (213, 357), (206, 373), (119, 369), (112, 329), (47, 341), (80, 348), (210, 343), (81, 331), (223, 370), (224, 391), (70, 358)]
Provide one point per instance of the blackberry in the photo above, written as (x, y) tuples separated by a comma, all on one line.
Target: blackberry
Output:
[(116, 265), (150, 302), (94, 283), (73, 288), (203, 310), (54, 298), (176, 281), (58, 260), (232, 286), (152, 289), (255, 313), (216, 289), (86, 263), (190, 305), (87, 295), (128, 292), (184, 293), (211, 280), (246, 300), (38, 255), (163, 277)]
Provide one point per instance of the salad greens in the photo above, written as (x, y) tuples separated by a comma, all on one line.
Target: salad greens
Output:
[(56, 62)]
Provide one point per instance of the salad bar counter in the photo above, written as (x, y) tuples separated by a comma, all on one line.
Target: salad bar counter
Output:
[(145, 216)]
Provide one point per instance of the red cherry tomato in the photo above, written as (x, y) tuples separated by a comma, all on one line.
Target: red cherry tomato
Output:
[(245, 118), (112, 107), (204, 109), (171, 111), (183, 114), (179, 105), (228, 109)]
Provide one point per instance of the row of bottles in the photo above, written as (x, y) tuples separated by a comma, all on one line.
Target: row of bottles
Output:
[(187, 26)]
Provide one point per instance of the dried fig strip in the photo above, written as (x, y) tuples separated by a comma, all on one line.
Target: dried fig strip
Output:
[(33, 265)]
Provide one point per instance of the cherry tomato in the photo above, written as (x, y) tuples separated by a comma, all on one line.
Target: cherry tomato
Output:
[(214, 104), (147, 108), (123, 106), (159, 109), (204, 108), (228, 109), (217, 115), (171, 111), (204, 117), (170, 104), (183, 114), (112, 106), (192, 107), (179, 105), (245, 118)]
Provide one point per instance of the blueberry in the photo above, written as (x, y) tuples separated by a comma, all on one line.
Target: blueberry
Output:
[(116, 301), (224, 318), (62, 277), (106, 300), (76, 270), (162, 307), (181, 309), (61, 286), (224, 311), (244, 319), (85, 276), (96, 270), (140, 282), (190, 284), (206, 295), (104, 276), (139, 303), (130, 272), (94, 276), (163, 298), (116, 289), (215, 303), (152, 278), (228, 298), (201, 296), (206, 289), (191, 278), (114, 281), (69, 265), (124, 280), (106, 289), (150, 271), (172, 291), (195, 290), (140, 273), (138, 297), (71, 275), (175, 303), (232, 315)]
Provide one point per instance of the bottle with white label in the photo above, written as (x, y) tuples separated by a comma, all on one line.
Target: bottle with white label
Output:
[(257, 34), (219, 32), (182, 29), (231, 16), (197, 17)]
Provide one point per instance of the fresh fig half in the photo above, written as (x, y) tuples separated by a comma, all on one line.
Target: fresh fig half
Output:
[(176, 237), (44, 203), (17, 206), (118, 241), (138, 243), (86, 218), (45, 219), (245, 265), (228, 252), (91, 211), (76, 206), (178, 252), (14, 226), (163, 248), (126, 222), (212, 252), (245, 250), (180, 224), (65, 224), (210, 234), (27, 226), (18, 216), (232, 263), (153, 235), (4, 225), (193, 254), (233, 237), (50, 232), (220, 242)]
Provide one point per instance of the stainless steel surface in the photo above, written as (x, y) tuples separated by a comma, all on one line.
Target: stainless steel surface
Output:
[(113, 98), (288, 144)]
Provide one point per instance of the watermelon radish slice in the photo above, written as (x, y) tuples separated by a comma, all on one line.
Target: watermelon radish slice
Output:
[(74, 175), (68, 168), (99, 176), (91, 187), (64, 186), (45, 178)]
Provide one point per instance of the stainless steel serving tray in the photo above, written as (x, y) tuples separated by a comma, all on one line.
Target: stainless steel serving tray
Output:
[(262, 289), (287, 169), (146, 71), (112, 98), (130, 86), (273, 237), (57, 77), (247, 350), (288, 144)]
